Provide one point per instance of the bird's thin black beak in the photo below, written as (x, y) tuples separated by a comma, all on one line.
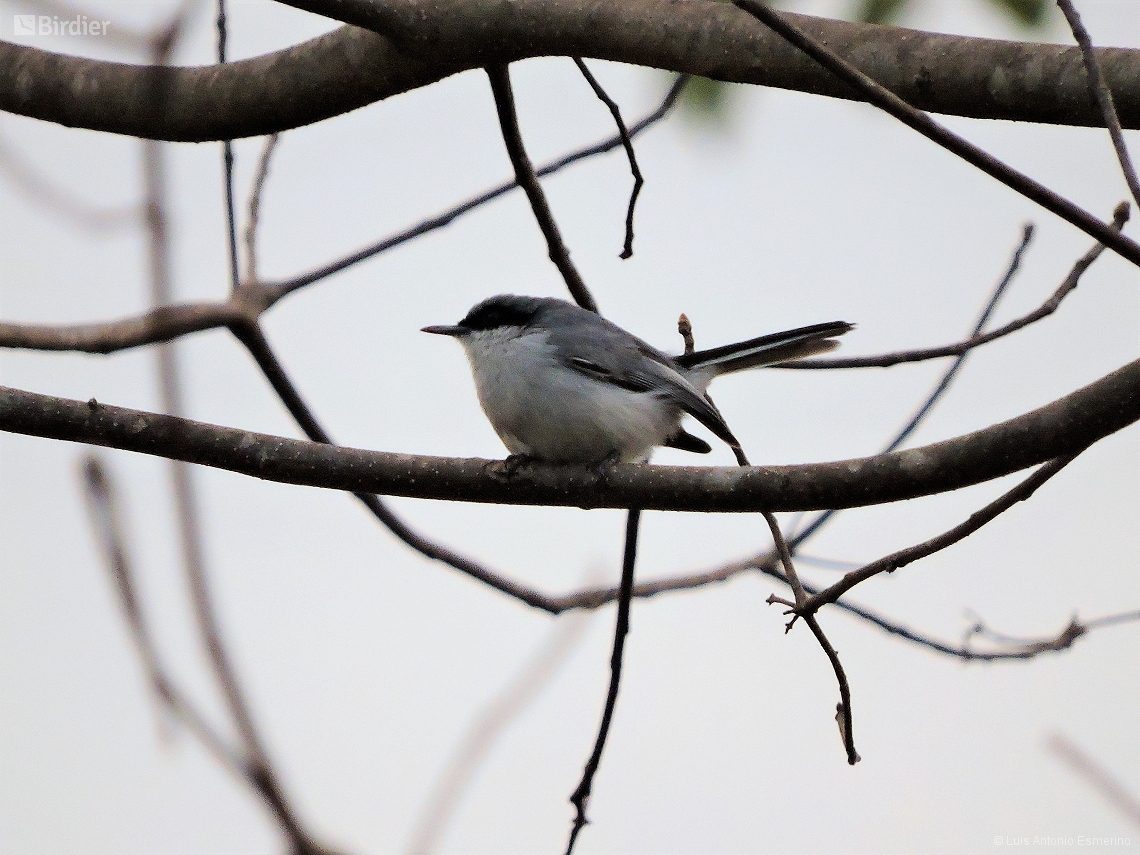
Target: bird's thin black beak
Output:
[(446, 330)]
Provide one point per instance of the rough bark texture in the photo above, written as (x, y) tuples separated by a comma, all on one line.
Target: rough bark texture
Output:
[(428, 40), (1063, 427)]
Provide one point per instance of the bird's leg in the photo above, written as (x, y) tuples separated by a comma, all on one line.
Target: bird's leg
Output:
[(504, 470), (514, 462), (608, 462)]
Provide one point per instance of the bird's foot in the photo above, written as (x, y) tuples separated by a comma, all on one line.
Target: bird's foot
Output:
[(504, 470), (601, 470)]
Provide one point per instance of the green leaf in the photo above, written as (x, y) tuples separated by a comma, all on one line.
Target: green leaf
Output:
[(1031, 13), (705, 97), (881, 11)]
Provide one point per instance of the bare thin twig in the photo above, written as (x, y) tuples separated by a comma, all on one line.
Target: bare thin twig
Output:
[(886, 100), (1113, 620), (447, 217), (843, 708), (500, 78), (638, 180), (259, 770), (166, 323), (1100, 92), (1096, 776), (228, 163), (40, 189), (107, 522), (685, 330), (1062, 641), (267, 149), (948, 375), (581, 794), (785, 557), (951, 372), (1119, 218), (170, 387), (486, 729), (797, 609), (890, 563)]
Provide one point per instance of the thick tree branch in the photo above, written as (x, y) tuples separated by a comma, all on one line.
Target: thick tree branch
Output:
[(433, 39), (1062, 427)]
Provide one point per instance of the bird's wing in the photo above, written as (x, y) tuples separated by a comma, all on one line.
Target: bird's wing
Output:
[(656, 378), (617, 357)]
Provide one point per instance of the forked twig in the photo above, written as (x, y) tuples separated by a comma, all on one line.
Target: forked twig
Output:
[(166, 323), (797, 609), (259, 770), (280, 289), (948, 375), (892, 562), (951, 372)]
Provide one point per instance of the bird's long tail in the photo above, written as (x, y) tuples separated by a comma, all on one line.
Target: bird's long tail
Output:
[(766, 350)]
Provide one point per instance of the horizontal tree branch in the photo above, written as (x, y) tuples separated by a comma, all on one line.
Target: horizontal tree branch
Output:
[(157, 325), (428, 40), (1062, 427)]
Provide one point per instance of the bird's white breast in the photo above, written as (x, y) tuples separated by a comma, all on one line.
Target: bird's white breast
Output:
[(541, 408)]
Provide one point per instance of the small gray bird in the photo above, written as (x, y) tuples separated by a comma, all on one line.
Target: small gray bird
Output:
[(561, 384)]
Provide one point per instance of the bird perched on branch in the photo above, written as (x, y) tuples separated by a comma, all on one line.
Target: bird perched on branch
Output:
[(561, 384)]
